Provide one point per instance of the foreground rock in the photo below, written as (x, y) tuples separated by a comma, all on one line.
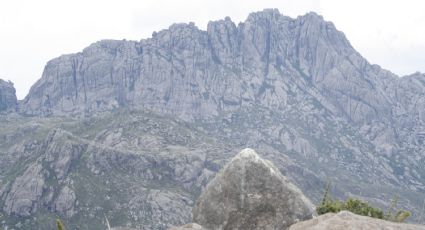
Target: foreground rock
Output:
[(346, 220), (250, 193)]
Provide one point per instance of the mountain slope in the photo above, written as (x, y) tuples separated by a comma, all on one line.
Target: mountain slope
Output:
[(293, 89)]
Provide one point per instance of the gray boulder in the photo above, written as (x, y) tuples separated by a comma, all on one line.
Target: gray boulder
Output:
[(251, 193)]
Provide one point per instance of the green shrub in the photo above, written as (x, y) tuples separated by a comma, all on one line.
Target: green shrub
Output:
[(59, 224), (359, 207)]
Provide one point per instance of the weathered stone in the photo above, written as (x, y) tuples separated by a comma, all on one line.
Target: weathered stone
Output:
[(345, 220), (251, 193), (25, 193)]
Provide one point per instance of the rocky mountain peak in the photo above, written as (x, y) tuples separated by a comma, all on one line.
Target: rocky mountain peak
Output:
[(189, 72), (271, 14)]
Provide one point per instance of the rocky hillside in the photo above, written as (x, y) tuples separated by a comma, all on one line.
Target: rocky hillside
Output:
[(133, 130), (8, 101), (135, 169)]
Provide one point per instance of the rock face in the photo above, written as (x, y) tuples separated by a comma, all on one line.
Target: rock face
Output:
[(193, 74), (251, 193), (26, 190), (8, 101), (348, 221)]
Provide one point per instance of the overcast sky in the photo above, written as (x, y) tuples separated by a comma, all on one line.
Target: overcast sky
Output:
[(388, 33)]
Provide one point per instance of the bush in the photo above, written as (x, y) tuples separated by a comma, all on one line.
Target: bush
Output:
[(359, 207), (59, 224)]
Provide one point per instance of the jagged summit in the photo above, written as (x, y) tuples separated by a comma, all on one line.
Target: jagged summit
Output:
[(191, 73), (271, 14)]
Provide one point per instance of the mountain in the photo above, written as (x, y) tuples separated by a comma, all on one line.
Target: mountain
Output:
[(8, 101), (133, 130), (198, 74)]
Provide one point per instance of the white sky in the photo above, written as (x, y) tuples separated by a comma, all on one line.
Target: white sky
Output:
[(388, 33)]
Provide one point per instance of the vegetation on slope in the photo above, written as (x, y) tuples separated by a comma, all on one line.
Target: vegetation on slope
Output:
[(359, 207)]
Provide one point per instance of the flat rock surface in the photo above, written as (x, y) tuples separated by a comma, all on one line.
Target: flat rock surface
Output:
[(348, 221)]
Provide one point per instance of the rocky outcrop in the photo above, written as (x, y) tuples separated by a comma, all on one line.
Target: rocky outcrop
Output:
[(251, 193), (345, 220), (8, 101), (25, 192), (34, 188)]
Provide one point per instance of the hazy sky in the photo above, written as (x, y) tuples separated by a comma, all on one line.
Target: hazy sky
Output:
[(388, 33)]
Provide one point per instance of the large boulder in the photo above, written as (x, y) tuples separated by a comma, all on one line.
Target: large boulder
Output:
[(348, 221), (251, 193)]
